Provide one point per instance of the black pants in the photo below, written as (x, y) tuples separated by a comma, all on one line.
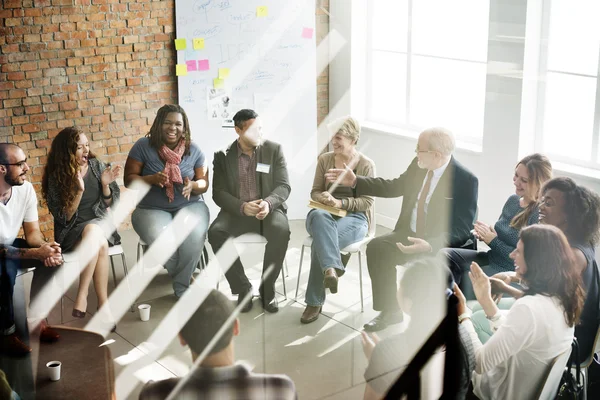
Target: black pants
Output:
[(9, 268), (382, 257), (275, 229)]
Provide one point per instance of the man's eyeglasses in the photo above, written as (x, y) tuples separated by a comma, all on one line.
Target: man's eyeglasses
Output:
[(417, 151), (19, 164)]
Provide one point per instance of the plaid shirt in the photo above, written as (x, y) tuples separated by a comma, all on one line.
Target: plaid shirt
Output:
[(233, 382)]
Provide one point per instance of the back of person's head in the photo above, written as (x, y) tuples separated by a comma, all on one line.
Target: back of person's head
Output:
[(582, 210), (5, 148), (440, 140), (539, 170), (204, 324), (423, 287), (551, 268), (240, 117)]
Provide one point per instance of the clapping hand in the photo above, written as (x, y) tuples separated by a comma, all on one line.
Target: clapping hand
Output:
[(109, 174), (160, 179), (188, 185), (80, 181), (369, 341), (484, 232)]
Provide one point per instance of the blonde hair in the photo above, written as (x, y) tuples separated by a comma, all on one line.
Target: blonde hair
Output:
[(345, 126)]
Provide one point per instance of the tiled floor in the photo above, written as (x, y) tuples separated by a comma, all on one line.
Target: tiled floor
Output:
[(324, 359)]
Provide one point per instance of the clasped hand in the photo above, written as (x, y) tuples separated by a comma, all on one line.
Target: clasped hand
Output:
[(257, 208), (328, 199), (50, 254)]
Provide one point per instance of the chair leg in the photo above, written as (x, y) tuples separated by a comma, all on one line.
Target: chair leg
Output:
[(112, 265), (283, 279), (62, 321), (362, 306), (287, 270), (299, 272)]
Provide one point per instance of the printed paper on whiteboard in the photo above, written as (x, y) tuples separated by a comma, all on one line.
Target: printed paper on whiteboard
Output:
[(219, 104)]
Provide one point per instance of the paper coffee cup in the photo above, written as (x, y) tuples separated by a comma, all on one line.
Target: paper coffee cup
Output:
[(144, 311), (54, 370)]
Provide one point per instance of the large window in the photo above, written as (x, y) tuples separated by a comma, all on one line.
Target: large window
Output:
[(426, 66), (567, 125)]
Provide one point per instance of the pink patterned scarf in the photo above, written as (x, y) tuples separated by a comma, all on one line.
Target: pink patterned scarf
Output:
[(172, 158)]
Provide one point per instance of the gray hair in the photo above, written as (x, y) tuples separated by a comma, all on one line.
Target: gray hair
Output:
[(440, 139), (345, 126)]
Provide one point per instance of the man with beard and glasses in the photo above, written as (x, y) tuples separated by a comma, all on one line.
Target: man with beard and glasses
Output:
[(439, 202), (250, 184), (18, 208)]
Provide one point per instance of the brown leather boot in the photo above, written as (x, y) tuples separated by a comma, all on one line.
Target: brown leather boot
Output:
[(331, 280), (310, 314), (12, 346)]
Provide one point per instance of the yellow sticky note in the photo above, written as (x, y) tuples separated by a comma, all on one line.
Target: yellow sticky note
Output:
[(218, 83), (180, 44), (198, 43), (262, 11), (181, 70), (223, 73)]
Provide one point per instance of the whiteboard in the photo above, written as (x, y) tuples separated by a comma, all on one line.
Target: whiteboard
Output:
[(269, 49)]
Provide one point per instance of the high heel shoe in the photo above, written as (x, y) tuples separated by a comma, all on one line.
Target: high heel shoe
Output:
[(78, 314), (108, 319)]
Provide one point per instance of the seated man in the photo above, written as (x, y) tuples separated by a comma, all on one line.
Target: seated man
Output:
[(218, 376), (438, 210), (421, 295), (18, 207), (250, 184)]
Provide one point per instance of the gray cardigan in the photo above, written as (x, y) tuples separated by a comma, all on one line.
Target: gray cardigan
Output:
[(61, 225)]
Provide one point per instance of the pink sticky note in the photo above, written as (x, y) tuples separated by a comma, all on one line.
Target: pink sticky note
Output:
[(191, 65), (203, 65), (307, 33)]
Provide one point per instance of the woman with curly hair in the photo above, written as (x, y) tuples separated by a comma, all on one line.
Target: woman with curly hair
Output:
[(539, 326), (78, 189), (175, 168)]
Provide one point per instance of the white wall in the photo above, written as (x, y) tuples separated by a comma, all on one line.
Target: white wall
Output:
[(503, 131)]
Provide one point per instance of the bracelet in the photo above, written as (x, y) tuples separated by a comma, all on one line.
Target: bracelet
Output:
[(464, 315), (494, 318), (107, 197)]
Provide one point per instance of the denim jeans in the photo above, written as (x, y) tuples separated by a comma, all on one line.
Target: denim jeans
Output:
[(149, 224), (482, 324), (330, 234)]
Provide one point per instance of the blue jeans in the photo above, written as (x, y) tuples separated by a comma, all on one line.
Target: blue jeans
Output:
[(330, 234), (149, 224)]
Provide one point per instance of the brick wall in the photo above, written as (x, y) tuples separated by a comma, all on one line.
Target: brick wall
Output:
[(103, 65)]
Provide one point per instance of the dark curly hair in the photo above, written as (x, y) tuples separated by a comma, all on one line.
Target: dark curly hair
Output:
[(155, 134), (62, 165), (582, 210), (551, 268)]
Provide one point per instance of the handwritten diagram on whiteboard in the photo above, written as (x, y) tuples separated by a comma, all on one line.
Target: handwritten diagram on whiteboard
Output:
[(234, 54)]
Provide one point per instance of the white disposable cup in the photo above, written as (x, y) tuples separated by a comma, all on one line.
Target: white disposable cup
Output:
[(54, 370), (144, 311)]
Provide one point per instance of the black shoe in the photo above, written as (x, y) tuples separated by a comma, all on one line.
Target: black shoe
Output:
[(345, 258), (383, 320), (271, 306), (241, 297)]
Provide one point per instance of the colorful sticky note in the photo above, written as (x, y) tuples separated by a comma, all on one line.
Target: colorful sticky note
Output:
[(181, 70), (198, 43), (203, 65), (191, 65), (262, 11), (223, 73), (218, 83), (307, 33), (180, 44)]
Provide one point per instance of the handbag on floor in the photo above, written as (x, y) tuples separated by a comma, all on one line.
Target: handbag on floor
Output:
[(570, 387)]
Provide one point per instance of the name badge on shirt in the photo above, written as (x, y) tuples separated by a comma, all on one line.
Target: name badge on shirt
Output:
[(264, 168)]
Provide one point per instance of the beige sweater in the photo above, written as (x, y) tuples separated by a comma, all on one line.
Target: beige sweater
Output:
[(364, 167)]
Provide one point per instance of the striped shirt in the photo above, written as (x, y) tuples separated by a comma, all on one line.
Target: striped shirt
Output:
[(220, 383)]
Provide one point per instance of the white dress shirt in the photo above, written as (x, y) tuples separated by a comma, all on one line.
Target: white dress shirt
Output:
[(512, 364), (437, 174)]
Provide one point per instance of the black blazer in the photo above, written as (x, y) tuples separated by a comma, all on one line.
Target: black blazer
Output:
[(274, 186), (451, 210)]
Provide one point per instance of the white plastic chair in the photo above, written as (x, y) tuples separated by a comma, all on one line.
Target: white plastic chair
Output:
[(358, 247), (549, 384)]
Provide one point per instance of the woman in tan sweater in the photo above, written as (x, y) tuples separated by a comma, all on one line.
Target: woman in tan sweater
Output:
[(331, 233)]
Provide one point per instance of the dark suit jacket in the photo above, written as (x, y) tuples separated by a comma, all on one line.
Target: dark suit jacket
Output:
[(273, 187), (451, 210)]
